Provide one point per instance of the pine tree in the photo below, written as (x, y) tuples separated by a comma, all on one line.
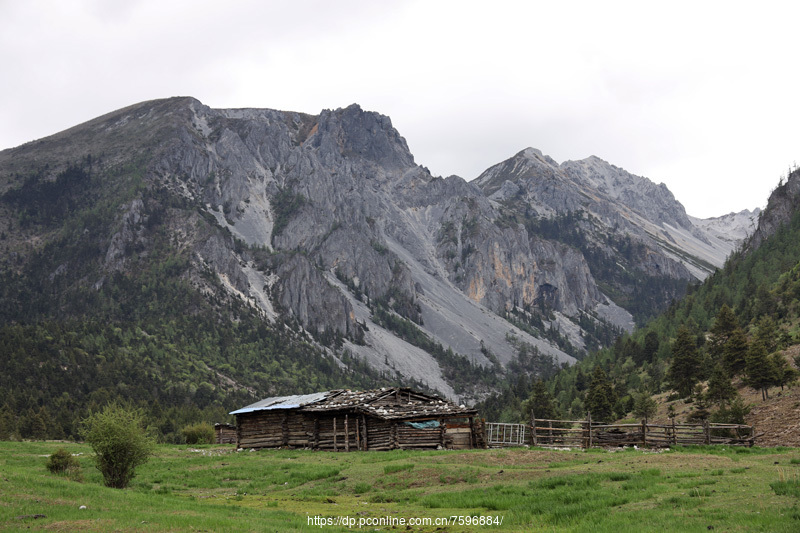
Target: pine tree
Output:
[(784, 373), (644, 406), (580, 380), (760, 372), (651, 345), (600, 397), (724, 326), (540, 402), (720, 390), (7, 422), (767, 333), (685, 369), (734, 354), (701, 411), (733, 413)]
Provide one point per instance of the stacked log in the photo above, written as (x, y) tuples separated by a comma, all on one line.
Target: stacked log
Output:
[(263, 429), (379, 434), (333, 434), (479, 434), (224, 434), (344, 420), (299, 430), (411, 437)]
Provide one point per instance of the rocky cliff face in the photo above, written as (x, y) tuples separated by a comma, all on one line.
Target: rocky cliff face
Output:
[(617, 203), (326, 222), (731, 229), (632, 231), (783, 203)]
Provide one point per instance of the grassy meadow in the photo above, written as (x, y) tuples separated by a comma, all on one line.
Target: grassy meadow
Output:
[(215, 488)]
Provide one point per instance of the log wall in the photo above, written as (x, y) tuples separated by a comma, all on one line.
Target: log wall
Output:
[(224, 434), (348, 432)]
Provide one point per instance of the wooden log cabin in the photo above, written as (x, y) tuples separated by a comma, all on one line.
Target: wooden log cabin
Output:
[(224, 434), (344, 420)]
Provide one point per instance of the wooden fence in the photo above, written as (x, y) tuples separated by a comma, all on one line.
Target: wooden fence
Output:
[(587, 434)]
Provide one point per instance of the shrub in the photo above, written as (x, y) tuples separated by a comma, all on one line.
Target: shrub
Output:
[(61, 461), (202, 433), (119, 442)]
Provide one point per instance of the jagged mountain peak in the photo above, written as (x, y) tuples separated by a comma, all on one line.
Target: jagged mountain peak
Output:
[(535, 154), (326, 222), (622, 202), (366, 134), (615, 181), (732, 227)]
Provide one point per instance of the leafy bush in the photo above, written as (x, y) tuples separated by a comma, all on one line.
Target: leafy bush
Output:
[(202, 433), (61, 461), (118, 439)]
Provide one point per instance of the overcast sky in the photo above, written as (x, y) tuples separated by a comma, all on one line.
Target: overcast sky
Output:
[(702, 96)]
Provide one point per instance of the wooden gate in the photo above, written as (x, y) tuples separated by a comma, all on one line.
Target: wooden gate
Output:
[(500, 434)]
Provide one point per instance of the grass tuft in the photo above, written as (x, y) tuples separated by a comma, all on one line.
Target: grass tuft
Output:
[(393, 469)]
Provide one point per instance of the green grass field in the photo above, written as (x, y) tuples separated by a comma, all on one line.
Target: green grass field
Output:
[(214, 488)]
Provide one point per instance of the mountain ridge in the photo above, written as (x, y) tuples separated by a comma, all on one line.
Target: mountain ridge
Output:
[(323, 223)]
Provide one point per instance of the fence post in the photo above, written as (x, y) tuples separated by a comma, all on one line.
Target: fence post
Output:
[(589, 425), (644, 432), (473, 442), (674, 435), (533, 429), (707, 431), (346, 433)]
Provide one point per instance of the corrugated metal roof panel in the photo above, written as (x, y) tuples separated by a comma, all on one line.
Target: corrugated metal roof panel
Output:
[(283, 402)]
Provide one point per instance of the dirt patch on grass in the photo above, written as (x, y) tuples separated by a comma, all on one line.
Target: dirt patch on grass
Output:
[(80, 525), (511, 457)]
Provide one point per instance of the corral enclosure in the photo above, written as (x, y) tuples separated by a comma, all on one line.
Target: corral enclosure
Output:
[(588, 434), (344, 420)]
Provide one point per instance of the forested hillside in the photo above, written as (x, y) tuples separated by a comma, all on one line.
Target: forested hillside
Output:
[(188, 260), (143, 334), (732, 329)]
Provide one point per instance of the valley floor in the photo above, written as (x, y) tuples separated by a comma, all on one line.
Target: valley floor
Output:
[(215, 488)]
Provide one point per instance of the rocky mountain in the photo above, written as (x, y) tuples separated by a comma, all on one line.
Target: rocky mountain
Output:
[(745, 319), (326, 228), (634, 234), (783, 204), (732, 228)]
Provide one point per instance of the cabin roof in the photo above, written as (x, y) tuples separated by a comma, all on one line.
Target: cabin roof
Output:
[(386, 403), (283, 402)]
